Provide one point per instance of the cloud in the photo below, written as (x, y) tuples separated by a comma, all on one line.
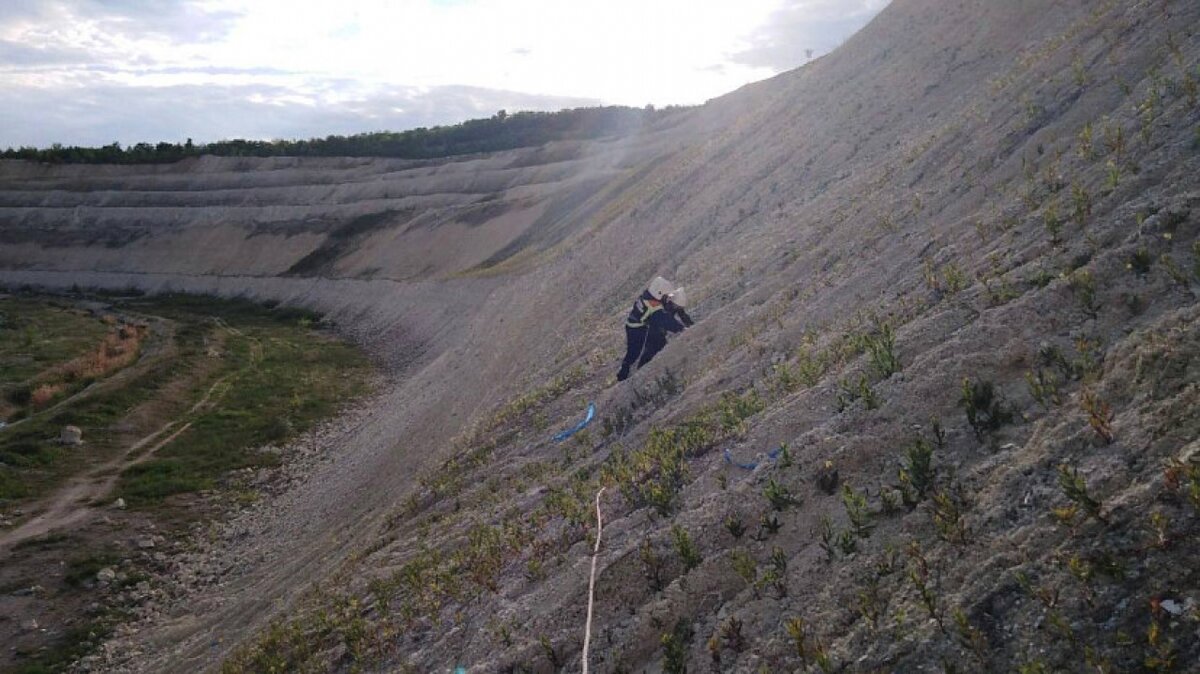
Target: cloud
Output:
[(20, 55), (180, 21), (95, 71), (103, 113), (784, 41)]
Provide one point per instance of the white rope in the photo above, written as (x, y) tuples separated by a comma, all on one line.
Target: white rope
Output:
[(587, 633)]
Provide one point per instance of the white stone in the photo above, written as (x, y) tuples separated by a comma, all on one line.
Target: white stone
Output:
[(1171, 606), (106, 575), (119, 504), (71, 435)]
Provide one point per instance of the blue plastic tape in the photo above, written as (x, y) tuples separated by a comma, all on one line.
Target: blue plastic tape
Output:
[(591, 414)]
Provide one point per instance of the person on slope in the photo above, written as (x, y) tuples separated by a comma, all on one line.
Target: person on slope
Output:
[(658, 311)]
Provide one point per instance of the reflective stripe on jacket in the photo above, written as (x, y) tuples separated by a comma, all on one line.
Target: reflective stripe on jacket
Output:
[(643, 309)]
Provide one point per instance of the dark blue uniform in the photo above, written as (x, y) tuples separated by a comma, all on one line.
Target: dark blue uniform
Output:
[(646, 330)]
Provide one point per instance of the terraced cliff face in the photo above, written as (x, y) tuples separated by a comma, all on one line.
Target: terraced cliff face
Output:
[(976, 212), (332, 218)]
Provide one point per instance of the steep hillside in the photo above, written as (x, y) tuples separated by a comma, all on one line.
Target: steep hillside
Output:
[(955, 261)]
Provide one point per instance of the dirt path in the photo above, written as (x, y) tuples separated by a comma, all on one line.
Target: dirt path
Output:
[(81, 496)]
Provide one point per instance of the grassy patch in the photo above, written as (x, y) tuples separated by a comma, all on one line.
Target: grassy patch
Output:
[(278, 379), (36, 335), (33, 459), (275, 376)]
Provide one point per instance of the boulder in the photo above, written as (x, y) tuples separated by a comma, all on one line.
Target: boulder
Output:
[(71, 435)]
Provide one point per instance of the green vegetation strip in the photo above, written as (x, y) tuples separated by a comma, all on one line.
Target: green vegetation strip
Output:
[(281, 381), (271, 376)]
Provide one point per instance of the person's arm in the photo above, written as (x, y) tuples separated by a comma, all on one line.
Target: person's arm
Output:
[(666, 320), (683, 317)]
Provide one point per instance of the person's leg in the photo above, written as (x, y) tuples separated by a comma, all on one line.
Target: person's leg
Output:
[(635, 338), (655, 341)]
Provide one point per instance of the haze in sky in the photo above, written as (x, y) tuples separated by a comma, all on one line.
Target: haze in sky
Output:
[(91, 72)]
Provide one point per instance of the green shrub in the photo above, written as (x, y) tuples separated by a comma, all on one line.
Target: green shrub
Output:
[(916, 474), (779, 496), (986, 410), (1140, 261), (689, 555), (881, 347), (653, 566), (1083, 284), (675, 645), (735, 527), (858, 511), (1076, 489), (745, 567)]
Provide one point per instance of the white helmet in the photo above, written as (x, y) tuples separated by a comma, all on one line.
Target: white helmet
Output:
[(660, 287)]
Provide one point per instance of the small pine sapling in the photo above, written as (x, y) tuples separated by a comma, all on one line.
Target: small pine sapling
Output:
[(674, 644), (1043, 386), (1181, 476), (970, 637), (1083, 285), (986, 410), (1100, 415), (1052, 222), (779, 496), (921, 578), (1075, 488), (798, 632), (731, 635), (689, 555), (768, 525), (654, 567), (1140, 261), (745, 567), (858, 511), (776, 573), (917, 473), (869, 603), (734, 525), (946, 510)]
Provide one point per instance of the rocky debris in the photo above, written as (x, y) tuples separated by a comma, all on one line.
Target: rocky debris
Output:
[(29, 625), (198, 566), (119, 504), (106, 575), (71, 436)]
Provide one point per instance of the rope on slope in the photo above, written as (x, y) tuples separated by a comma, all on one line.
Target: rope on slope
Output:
[(587, 632)]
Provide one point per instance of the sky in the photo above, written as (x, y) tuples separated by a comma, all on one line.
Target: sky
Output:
[(91, 72)]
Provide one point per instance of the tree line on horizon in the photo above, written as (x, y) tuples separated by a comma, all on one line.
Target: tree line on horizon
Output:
[(501, 131)]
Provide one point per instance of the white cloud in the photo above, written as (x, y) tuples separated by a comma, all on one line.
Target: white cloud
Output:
[(334, 56), (801, 28)]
